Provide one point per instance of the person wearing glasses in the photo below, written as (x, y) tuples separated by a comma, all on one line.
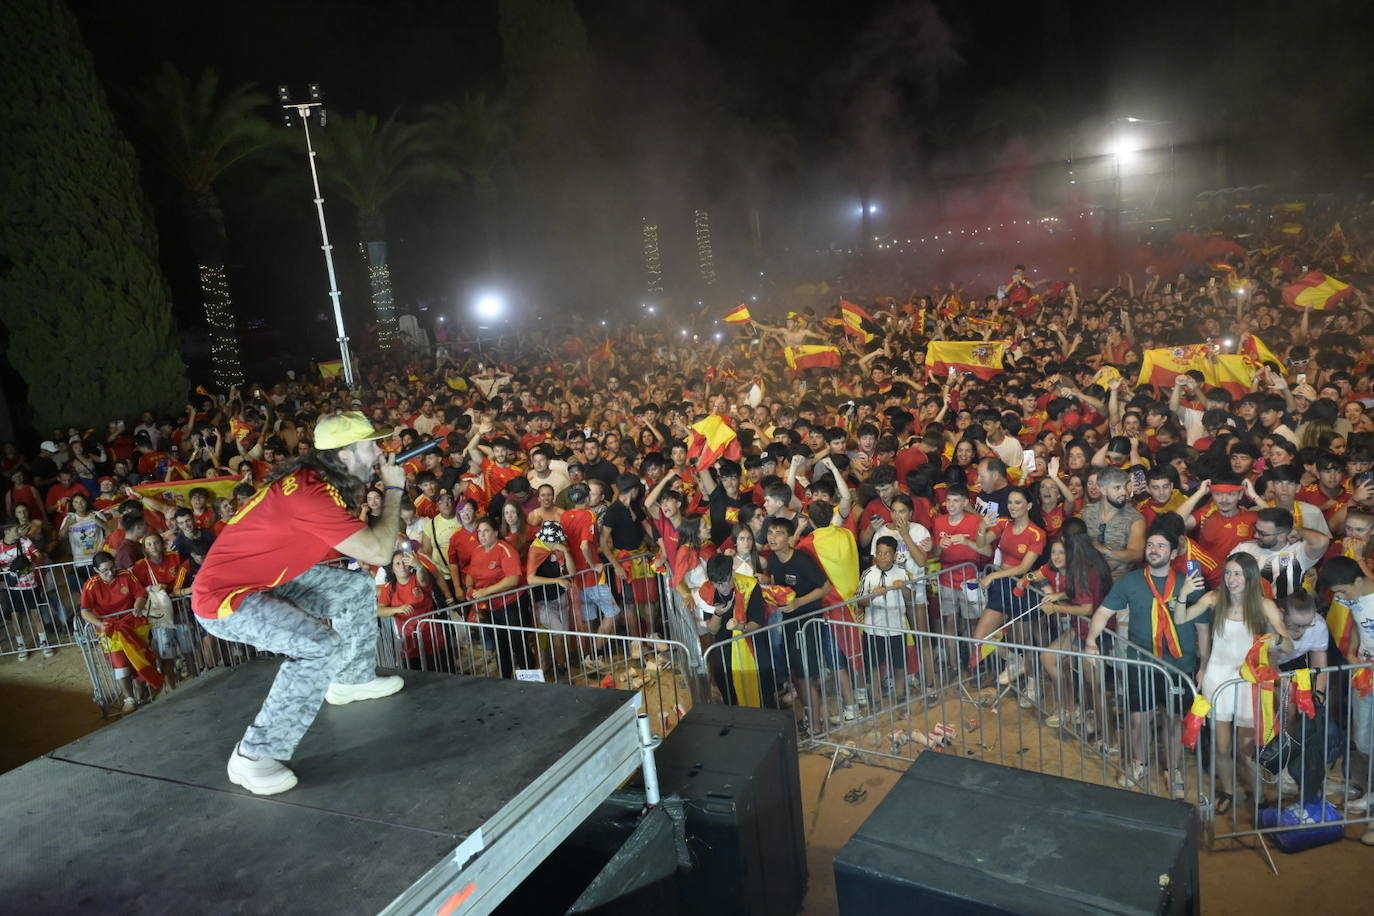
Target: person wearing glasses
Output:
[(1284, 553)]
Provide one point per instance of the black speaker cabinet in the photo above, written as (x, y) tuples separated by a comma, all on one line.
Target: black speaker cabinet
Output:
[(736, 771), (966, 837)]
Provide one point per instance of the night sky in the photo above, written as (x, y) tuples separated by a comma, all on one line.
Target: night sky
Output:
[(781, 107)]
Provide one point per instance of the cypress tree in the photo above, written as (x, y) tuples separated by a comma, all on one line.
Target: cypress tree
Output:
[(88, 310)]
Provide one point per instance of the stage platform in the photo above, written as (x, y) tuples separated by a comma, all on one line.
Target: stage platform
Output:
[(453, 789)]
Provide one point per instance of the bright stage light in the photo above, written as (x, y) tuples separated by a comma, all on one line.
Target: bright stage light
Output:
[(489, 306), (1125, 147)]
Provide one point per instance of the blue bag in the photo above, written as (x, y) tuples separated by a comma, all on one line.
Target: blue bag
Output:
[(1328, 825)]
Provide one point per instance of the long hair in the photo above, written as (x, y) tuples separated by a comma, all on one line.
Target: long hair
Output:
[(330, 468), (1251, 599), (1081, 560), (689, 530)]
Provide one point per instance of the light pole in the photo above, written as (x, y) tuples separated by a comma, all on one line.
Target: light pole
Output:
[(304, 110), (1122, 148)]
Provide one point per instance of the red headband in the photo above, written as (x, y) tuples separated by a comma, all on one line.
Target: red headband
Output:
[(1227, 488)]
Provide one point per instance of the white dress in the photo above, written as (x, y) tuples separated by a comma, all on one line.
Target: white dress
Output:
[(1235, 702)]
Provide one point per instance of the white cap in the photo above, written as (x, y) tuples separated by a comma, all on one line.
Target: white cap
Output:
[(48, 446)]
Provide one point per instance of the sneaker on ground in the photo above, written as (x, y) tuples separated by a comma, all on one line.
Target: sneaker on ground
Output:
[(851, 713), (340, 694), (1028, 695), (23, 652), (1054, 720), (1014, 669), (1179, 785), (1359, 805), (1367, 837), (47, 650), (1132, 776), (263, 776), (1288, 785), (861, 696), (130, 704)]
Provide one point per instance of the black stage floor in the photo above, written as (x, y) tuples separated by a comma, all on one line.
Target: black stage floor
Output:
[(140, 817)]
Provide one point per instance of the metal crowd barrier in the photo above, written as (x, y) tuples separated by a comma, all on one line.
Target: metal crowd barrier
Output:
[(47, 612), (1314, 772)]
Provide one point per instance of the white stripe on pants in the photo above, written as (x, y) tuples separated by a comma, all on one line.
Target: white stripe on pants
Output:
[(290, 620)]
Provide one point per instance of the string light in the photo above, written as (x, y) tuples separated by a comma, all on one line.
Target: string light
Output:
[(706, 262), (653, 260), (383, 301), (219, 314)]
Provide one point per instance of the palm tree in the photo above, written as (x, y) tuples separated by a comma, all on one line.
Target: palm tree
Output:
[(370, 162), (472, 142), (200, 133)]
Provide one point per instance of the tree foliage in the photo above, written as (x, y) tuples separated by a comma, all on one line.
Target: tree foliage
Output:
[(88, 310)]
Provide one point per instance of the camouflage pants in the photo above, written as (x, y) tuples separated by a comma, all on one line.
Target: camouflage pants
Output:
[(290, 620)]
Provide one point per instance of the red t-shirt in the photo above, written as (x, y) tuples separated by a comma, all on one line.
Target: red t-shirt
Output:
[(421, 598), (106, 598), (955, 554), (285, 529), (1219, 535), (908, 460), (171, 572), (204, 519), (491, 566), (425, 507), (879, 508), (460, 546), (1015, 546), (495, 477)]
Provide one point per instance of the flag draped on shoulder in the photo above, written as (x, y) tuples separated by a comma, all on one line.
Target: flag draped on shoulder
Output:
[(858, 322), (713, 439), (739, 315), (1317, 291), (812, 356), (1162, 366), (981, 357)]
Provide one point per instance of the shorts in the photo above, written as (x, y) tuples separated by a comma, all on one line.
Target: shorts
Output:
[(643, 581), (167, 641), (552, 614), (1148, 689), (597, 601), (120, 663), (954, 598), (809, 648), (1002, 597), (1362, 722), (881, 649)]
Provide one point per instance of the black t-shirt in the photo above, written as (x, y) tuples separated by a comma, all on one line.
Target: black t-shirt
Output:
[(604, 471), (801, 574), (755, 611), (719, 503), (996, 498), (626, 531)]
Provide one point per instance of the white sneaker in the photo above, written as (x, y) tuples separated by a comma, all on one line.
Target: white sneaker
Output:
[(1360, 804), (1133, 775), (1028, 695), (1014, 669), (47, 650), (263, 776), (1288, 785), (340, 694), (861, 696), (851, 713), (130, 704), (23, 652)]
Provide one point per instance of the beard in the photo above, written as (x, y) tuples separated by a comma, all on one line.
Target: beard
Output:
[(1114, 503)]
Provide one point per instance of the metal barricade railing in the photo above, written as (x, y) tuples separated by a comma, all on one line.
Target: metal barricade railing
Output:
[(44, 612), (1315, 771), (1093, 720), (657, 668)]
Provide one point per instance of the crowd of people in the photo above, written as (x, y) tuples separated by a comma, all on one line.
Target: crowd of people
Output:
[(1191, 518)]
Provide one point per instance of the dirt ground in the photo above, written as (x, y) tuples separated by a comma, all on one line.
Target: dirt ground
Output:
[(47, 702)]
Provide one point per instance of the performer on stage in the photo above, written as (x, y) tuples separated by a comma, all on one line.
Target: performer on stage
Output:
[(262, 584)]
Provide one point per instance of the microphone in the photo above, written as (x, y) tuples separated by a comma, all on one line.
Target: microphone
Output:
[(415, 451)]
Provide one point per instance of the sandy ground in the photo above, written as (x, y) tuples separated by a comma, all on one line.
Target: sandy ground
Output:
[(48, 703)]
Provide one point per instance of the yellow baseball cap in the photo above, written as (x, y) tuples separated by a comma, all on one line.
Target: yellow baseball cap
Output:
[(346, 428)]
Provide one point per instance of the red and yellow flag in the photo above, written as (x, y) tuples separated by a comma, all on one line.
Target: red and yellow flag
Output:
[(1232, 371), (713, 438), (1363, 681), (981, 357), (985, 649), (1341, 623), (180, 491), (1302, 692), (812, 356), (330, 368), (858, 322), (1261, 672), (739, 315), (1163, 366), (1317, 291), (1192, 723), (1253, 347)]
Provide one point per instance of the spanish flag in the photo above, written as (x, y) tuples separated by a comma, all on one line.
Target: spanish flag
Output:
[(1232, 371), (1192, 723), (812, 356), (1260, 671), (713, 438), (330, 368), (180, 491), (744, 663), (739, 315), (1253, 347), (837, 553), (858, 322), (1317, 291), (1363, 681), (1341, 623), (981, 357), (1302, 693), (1163, 366), (985, 649)]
